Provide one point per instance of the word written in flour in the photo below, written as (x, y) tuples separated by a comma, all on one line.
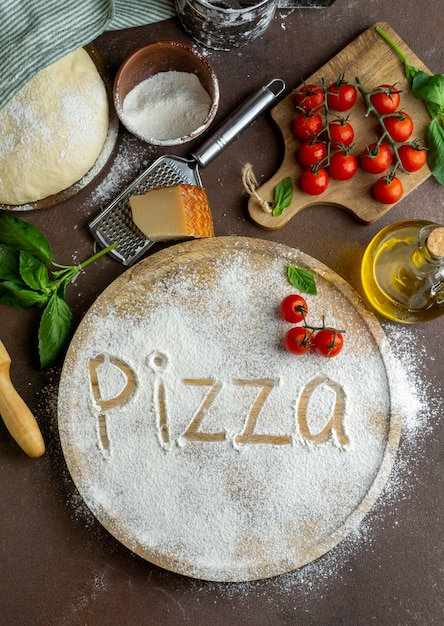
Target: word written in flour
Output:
[(195, 431)]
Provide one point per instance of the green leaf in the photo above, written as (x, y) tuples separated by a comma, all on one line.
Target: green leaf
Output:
[(283, 195), (302, 280), (21, 235), (9, 264), (15, 295), (34, 272), (55, 330), (435, 154), (430, 89)]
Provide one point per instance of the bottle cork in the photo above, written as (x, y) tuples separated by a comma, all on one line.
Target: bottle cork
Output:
[(435, 242)]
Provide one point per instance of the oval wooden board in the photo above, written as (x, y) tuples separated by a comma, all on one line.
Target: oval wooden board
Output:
[(241, 485), (104, 156), (370, 58)]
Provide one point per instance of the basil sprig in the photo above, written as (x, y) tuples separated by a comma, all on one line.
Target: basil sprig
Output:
[(302, 279), (430, 89), (26, 280), (283, 195)]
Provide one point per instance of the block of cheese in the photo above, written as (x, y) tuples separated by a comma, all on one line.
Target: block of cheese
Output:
[(174, 212)]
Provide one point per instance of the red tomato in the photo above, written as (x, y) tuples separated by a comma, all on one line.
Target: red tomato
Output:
[(388, 191), (386, 100), (376, 158), (298, 340), (412, 157), (399, 126), (306, 126), (314, 181), (341, 133), (341, 96), (311, 152), (309, 98), (342, 166), (328, 342), (293, 308)]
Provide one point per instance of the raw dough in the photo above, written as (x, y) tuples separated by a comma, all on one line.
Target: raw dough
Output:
[(53, 130)]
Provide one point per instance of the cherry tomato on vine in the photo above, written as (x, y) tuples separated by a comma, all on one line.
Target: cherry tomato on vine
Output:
[(341, 96), (314, 181), (311, 152), (293, 308), (343, 165), (298, 340), (309, 98), (306, 126), (399, 126), (341, 133), (386, 101), (328, 342), (376, 158), (412, 157), (388, 191)]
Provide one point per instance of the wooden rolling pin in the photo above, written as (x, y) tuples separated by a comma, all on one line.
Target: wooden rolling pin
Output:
[(18, 419)]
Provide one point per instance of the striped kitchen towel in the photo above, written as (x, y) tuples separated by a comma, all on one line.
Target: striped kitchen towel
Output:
[(36, 33)]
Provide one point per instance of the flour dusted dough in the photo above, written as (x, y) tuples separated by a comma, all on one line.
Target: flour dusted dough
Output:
[(53, 130)]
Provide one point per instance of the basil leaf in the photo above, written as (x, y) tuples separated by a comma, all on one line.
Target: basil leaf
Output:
[(9, 266), (33, 271), (429, 88), (302, 280), (55, 330), (23, 236), (12, 294), (283, 195), (435, 143)]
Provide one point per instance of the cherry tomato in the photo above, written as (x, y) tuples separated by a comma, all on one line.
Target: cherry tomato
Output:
[(298, 340), (341, 96), (342, 166), (399, 126), (314, 181), (306, 126), (328, 342), (309, 98), (388, 191), (386, 101), (341, 133), (376, 158), (412, 157), (311, 152), (293, 308)]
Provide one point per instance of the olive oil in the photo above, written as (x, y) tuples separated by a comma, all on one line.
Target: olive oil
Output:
[(402, 271)]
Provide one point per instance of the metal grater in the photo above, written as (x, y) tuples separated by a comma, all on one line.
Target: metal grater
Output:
[(115, 224)]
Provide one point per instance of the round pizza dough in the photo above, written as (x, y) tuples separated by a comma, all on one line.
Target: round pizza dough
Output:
[(53, 130)]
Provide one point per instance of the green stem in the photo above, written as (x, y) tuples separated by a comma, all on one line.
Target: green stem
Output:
[(395, 47)]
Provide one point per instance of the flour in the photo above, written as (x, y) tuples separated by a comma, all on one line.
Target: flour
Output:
[(223, 506), (168, 105)]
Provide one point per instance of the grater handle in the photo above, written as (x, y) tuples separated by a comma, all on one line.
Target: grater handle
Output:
[(238, 121)]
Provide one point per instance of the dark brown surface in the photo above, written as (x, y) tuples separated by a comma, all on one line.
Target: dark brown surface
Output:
[(58, 565)]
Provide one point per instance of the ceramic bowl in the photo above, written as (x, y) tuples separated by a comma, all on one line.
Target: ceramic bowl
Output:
[(164, 56)]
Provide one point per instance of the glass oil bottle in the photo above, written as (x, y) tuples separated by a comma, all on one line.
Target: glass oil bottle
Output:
[(402, 271)]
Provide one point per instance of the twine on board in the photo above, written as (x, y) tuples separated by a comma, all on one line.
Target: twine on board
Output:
[(250, 185)]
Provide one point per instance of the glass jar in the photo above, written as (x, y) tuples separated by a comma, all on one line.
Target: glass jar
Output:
[(402, 271)]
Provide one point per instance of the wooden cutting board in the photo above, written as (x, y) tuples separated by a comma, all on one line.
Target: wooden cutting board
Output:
[(370, 58), (198, 441)]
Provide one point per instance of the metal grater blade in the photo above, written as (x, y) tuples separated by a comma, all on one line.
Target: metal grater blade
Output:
[(115, 223)]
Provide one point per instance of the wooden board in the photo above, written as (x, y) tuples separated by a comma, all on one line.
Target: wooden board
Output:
[(370, 58), (198, 441)]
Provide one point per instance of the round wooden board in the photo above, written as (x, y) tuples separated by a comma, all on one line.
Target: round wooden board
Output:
[(198, 441), (104, 156)]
